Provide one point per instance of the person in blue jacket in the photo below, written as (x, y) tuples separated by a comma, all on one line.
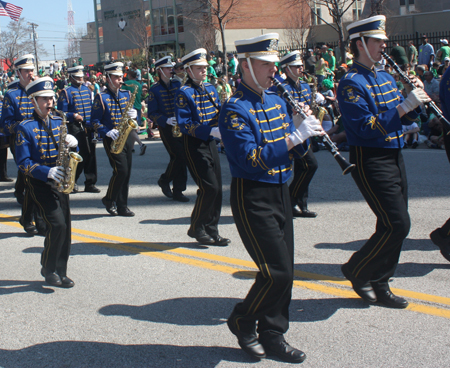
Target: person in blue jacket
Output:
[(107, 113), (441, 236), (304, 168), (37, 142), (161, 110), (75, 101), (373, 112), (197, 107), (261, 140)]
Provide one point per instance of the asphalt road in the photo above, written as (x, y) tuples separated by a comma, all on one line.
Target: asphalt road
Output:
[(146, 295)]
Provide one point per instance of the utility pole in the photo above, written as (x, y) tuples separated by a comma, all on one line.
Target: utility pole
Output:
[(54, 52), (33, 26)]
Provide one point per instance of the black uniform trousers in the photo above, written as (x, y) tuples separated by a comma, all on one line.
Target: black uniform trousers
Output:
[(19, 187), (121, 165), (55, 211), (304, 170), (263, 216), (176, 170), (3, 163), (445, 229), (29, 209), (87, 152), (381, 177), (203, 162)]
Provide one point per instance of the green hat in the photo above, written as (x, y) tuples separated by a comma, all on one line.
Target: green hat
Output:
[(327, 83)]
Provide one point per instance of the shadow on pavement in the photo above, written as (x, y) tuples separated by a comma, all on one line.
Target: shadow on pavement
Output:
[(22, 286), (100, 354)]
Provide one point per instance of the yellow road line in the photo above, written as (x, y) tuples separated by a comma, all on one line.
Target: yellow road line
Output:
[(133, 245)]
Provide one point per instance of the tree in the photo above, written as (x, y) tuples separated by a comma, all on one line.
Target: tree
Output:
[(139, 31), (336, 9), (73, 50), (298, 24), (15, 42), (218, 13)]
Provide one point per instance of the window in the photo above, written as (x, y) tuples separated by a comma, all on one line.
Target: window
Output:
[(170, 20), (156, 24), (180, 18)]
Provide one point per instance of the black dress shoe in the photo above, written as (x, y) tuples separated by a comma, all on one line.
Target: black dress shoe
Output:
[(165, 187), (363, 288), (66, 282), (6, 180), (180, 197), (390, 300), (281, 349), (442, 242), (29, 228), (221, 242), (248, 341), (110, 206), (307, 213), (202, 237), (92, 189), (51, 278), (296, 211), (125, 212)]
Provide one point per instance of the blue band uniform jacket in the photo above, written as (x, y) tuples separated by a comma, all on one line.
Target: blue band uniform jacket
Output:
[(35, 150), (76, 100), (301, 94), (253, 129), (106, 114), (368, 101), (16, 108), (161, 101), (196, 114)]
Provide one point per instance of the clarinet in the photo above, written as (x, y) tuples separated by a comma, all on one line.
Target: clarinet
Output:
[(437, 111), (326, 140)]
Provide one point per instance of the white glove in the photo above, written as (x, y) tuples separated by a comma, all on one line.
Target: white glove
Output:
[(310, 127), (132, 113), (416, 98), (215, 132), (56, 173), (113, 134), (71, 141), (171, 121)]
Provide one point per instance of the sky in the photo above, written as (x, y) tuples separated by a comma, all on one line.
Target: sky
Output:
[(51, 16)]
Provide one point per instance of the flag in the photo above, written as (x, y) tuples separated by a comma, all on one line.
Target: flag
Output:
[(10, 10)]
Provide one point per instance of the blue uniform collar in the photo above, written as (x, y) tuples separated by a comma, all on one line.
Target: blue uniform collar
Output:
[(362, 69), (251, 92)]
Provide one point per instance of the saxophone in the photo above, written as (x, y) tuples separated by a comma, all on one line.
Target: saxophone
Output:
[(67, 159), (223, 93), (126, 125), (318, 111)]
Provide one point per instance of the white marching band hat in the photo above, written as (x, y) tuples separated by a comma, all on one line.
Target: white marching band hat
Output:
[(374, 27), (294, 58), (263, 47), (25, 62), (196, 57), (165, 62), (41, 87), (76, 71), (114, 68)]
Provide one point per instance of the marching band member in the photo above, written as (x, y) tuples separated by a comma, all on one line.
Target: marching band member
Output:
[(260, 139), (373, 112), (107, 113), (161, 110), (306, 166), (441, 235), (37, 143), (197, 110), (75, 101), (16, 108)]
